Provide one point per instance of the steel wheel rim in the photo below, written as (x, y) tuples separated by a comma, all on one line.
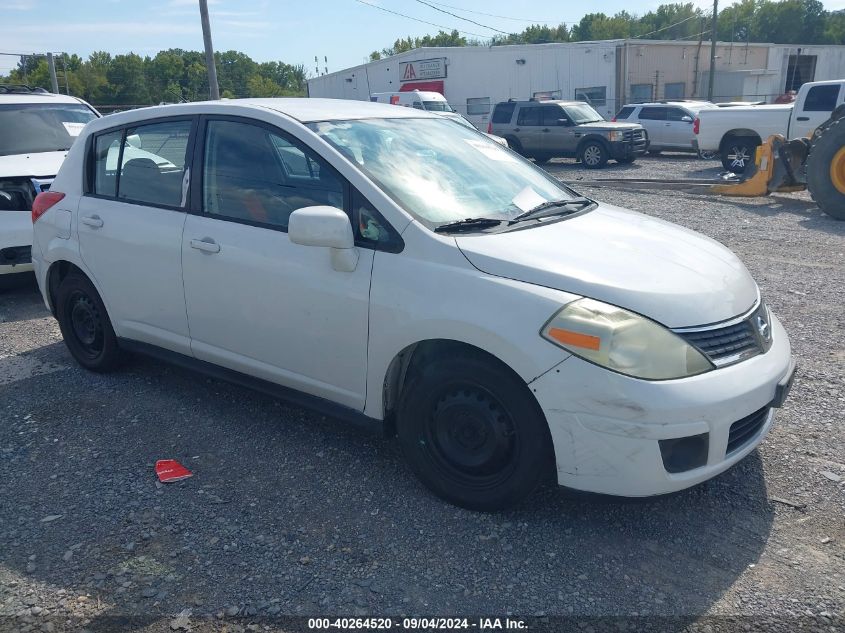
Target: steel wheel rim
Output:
[(837, 170), (86, 323), (471, 437), (592, 155)]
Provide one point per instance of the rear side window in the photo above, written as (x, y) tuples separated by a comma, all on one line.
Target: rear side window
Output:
[(624, 113), (106, 152), (529, 116), (253, 175), (152, 167), (821, 99), (653, 114), (503, 112)]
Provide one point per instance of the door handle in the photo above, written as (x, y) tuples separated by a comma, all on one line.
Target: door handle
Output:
[(803, 118), (94, 221), (516, 129), (545, 129), (206, 245)]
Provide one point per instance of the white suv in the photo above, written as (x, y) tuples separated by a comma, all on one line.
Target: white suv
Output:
[(37, 129), (383, 263), (669, 124)]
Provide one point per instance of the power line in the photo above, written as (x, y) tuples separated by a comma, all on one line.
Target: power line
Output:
[(696, 16), (454, 15), (439, 26), (503, 17)]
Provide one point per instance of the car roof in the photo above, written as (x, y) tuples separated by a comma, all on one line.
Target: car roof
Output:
[(302, 109), (677, 104), (37, 97)]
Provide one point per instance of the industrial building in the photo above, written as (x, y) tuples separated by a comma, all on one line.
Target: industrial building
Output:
[(606, 73)]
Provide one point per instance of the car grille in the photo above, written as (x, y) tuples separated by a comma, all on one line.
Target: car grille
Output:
[(732, 343), (744, 430)]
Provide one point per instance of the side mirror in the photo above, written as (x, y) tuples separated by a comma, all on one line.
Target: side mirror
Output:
[(686, 119), (328, 227), (134, 140)]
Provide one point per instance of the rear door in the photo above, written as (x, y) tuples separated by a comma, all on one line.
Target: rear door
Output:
[(678, 128), (815, 108), (256, 302), (529, 129), (130, 228), (653, 119)]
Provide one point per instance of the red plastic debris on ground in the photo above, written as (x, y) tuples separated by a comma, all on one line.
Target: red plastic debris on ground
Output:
[(169, 470)]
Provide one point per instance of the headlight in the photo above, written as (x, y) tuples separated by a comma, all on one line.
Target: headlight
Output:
[(623, 341), (615, 136)]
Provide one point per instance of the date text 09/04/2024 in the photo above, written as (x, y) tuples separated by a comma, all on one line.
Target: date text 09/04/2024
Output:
[(446, 624)]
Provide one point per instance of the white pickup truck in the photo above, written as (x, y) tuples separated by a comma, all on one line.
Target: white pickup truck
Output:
[(736, 132)]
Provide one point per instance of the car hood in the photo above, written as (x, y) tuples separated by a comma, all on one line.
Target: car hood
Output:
[(41, 164), (673, 275), (610, 125)]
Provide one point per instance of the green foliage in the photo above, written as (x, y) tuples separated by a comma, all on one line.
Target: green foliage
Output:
[(171, 75), (776, 21)]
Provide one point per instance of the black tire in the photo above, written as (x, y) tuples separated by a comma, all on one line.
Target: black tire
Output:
[(85, 324), (593, 155), (542, 160), (626, 161), (13, 281), (707, 155), (826, 157), (515, 145), (473, 433), (654, 152), (737, 154)]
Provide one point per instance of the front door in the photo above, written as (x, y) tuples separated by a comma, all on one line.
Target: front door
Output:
[(558, 132), (679, 134), (256, 302), (815, 109), (130, 229), (653, 119)]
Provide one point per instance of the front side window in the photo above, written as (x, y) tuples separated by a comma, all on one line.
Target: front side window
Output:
[(28, 128), (253, 174), (551, 115), (529, 116), (441, 172), (821, 98), (676, 114)]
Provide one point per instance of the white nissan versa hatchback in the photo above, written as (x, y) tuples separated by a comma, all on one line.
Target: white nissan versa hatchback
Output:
[(385, 263)]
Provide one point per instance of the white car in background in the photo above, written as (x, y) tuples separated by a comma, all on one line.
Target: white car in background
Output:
[(669, 123), (384, 264), (37, 129)]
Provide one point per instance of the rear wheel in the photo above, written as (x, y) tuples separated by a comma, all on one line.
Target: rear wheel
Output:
[(654, 152), (738, 153), (627, 160), (594, 155), (542, 160), (515, 145), (85, 325), (473, 433)]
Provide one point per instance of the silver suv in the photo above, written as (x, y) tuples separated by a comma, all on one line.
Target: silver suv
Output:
[(546, 129), (668, 123)]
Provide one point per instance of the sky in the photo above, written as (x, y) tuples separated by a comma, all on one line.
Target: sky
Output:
[(293, 31)]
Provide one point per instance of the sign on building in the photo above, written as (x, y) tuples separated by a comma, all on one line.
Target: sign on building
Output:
[(424, 69)]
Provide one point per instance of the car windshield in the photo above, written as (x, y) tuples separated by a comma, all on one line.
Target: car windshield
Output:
[(441, 172), (27, 128), (583, 113), (437, 106)]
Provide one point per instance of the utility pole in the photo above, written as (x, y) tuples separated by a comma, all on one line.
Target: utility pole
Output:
[(51, 65), (213, 88), (712, 77)]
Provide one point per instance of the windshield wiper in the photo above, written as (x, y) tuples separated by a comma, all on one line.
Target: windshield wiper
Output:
[(544, 209), (467, 224)]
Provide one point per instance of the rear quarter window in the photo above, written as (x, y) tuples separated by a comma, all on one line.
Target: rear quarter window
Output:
[(503, 112), (624, 113)]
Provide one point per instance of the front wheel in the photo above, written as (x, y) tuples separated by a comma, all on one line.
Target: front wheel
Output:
[(85, 325), (627, 160), (473, 433), (594, 155)]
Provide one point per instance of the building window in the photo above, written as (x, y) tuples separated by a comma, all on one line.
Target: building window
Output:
[(640, 93), (594, 96), (478, 105), (674, 90)]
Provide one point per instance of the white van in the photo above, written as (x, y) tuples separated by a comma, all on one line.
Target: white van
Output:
[(431, 101)]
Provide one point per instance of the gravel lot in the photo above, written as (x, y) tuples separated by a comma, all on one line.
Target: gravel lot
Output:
[(290, 513)]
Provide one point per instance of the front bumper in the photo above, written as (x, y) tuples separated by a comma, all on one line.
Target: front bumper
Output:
[(628, 149), (606, 427), (15, 242)]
